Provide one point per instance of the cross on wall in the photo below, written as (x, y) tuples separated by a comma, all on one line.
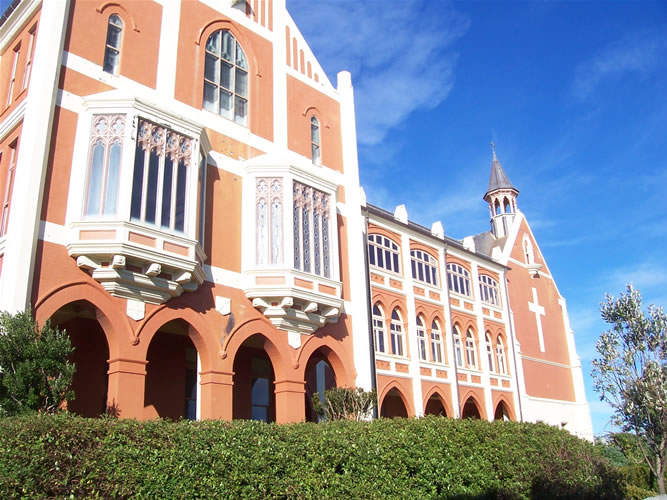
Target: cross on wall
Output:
[(536, 308)]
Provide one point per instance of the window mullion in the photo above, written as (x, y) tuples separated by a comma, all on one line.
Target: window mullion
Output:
[(174, 184), (144, 181)]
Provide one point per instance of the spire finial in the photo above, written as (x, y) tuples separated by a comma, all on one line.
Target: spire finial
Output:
[(493, 148)]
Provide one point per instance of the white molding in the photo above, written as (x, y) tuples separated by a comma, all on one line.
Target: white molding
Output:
[(168, 51), (12, 120), (546, 362), (239, 17), (21, 15)]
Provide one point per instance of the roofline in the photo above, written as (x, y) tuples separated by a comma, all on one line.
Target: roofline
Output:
[(424, 231)]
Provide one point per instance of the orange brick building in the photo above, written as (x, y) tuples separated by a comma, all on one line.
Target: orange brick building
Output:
[(181, 194)]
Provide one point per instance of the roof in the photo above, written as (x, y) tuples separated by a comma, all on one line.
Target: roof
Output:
[(498, 178)]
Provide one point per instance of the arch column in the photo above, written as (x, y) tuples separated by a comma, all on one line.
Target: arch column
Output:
[(217, 394), (127, 382), (289, 401)]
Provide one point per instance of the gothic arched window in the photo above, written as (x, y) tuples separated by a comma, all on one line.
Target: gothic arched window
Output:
[(226, 77), (315, 141)]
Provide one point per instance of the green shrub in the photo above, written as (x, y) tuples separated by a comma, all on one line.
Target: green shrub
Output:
[(58, 456), (36, 374)]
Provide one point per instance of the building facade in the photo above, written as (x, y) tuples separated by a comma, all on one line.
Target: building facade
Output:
[(181, 194)]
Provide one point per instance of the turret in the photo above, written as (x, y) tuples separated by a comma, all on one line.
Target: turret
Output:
[(501, 197)]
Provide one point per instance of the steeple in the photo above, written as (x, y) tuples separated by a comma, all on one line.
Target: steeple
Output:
[(501, 197)]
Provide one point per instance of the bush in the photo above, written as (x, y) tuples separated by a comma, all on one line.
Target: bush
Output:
[(345, 403), (35, 373), (45, 456)]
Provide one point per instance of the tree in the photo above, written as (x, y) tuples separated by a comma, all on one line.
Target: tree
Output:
[(345, 403), (631, 374), (35, 374)]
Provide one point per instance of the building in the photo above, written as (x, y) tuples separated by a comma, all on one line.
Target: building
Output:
[(181, 194)]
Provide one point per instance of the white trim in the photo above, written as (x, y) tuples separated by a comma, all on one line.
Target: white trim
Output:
[(167, 56), (546, 362), (21, 15), (224, 7), (12, 120)]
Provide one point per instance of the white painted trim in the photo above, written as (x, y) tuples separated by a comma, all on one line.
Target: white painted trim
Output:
[(21, 15), (224, 7), (167, 56), (12, 120), (546, 362)]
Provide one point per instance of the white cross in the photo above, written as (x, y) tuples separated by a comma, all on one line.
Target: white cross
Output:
[(536, 308)]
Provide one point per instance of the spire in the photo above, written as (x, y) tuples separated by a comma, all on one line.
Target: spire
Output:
[(498, 178)]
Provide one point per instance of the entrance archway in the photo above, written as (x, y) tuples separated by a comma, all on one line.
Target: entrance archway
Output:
[(393, 405), (254, 382), (90, 355), (501, 412), (470, 409), (435, 406), (171, 373), (320, 376)]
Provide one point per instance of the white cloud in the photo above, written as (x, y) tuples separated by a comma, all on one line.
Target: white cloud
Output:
[(400, 57), (636, 54)]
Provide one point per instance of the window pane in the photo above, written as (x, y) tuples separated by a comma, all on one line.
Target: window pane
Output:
[(113, 174), (111, 58), (240, 58), (226, 73), (241, 82), (95, 181), (260, 413), (213, 43), (226, 101), (371, 254), (210, 97), (137, 183), (227, 46), (181, 183), (113, 37), (241, 114), (316, 154), (414, 272), (211, 68), (396, 262), (315, 132), (166, 193), (151, 188)]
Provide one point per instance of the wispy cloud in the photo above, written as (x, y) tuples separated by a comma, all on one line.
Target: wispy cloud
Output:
[(642, 54), (401, 58)]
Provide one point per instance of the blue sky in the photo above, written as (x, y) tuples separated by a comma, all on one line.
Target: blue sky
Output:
[(574, 95)]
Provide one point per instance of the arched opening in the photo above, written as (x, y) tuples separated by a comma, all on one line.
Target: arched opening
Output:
[(497, 207), (393, 405), (508, 206), (254, 382), (320, 376), (171, 373), (470, 409), (501, 412), (90, 356), (435, 406)]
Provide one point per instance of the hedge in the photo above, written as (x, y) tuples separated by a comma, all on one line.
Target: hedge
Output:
[(434, 457)]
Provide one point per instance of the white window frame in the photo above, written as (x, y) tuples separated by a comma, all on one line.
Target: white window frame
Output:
[(9, 186), (315, 141), (436, 342), (424, 267), (238, 69), (379, 248), (397, 336), (311, 227), (379, 338), (489, 290), (169, 145), (29, 54), (471, 348), (458, 348), (107, 138), (12, 75), (115, 23), (489, 352), (500, 356), (421, 339), (458, 279)]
